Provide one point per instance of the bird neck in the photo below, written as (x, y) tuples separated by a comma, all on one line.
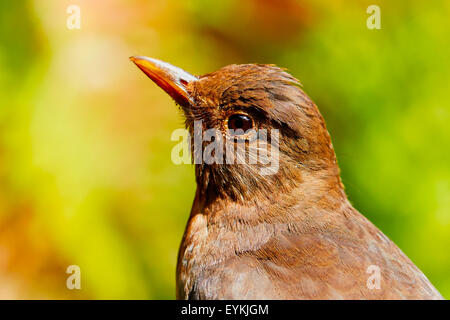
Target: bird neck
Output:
[(321, 189), (220, 227)]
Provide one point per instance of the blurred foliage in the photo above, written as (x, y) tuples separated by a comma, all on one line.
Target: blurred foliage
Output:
[(85, 170)]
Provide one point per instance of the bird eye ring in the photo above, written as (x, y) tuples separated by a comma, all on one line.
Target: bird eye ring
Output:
[(240, 122)]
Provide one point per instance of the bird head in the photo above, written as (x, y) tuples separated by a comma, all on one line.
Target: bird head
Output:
[(258, 115)]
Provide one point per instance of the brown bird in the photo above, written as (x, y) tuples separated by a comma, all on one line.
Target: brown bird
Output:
[(290, 233)]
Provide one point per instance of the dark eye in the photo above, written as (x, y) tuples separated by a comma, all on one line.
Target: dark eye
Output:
[(240, 122)]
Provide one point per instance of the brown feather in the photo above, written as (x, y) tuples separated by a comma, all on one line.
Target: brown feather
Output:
[(289, 235), (293, 235)]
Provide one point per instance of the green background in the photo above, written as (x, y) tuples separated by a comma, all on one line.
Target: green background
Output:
[(85, 171)]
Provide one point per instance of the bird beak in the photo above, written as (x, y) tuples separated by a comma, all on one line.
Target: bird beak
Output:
[(171, 79)]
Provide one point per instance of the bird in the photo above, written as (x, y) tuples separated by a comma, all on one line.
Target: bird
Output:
[(290, 234)]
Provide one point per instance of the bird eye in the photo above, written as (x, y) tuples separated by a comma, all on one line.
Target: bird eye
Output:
[(240, 122)]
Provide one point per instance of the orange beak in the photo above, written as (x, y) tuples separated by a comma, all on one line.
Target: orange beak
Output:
[(171, 79)]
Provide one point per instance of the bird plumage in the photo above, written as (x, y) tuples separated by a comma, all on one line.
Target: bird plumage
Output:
[(292, 234)]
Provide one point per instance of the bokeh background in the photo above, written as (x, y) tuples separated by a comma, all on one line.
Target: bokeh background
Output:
[(85, 171)]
